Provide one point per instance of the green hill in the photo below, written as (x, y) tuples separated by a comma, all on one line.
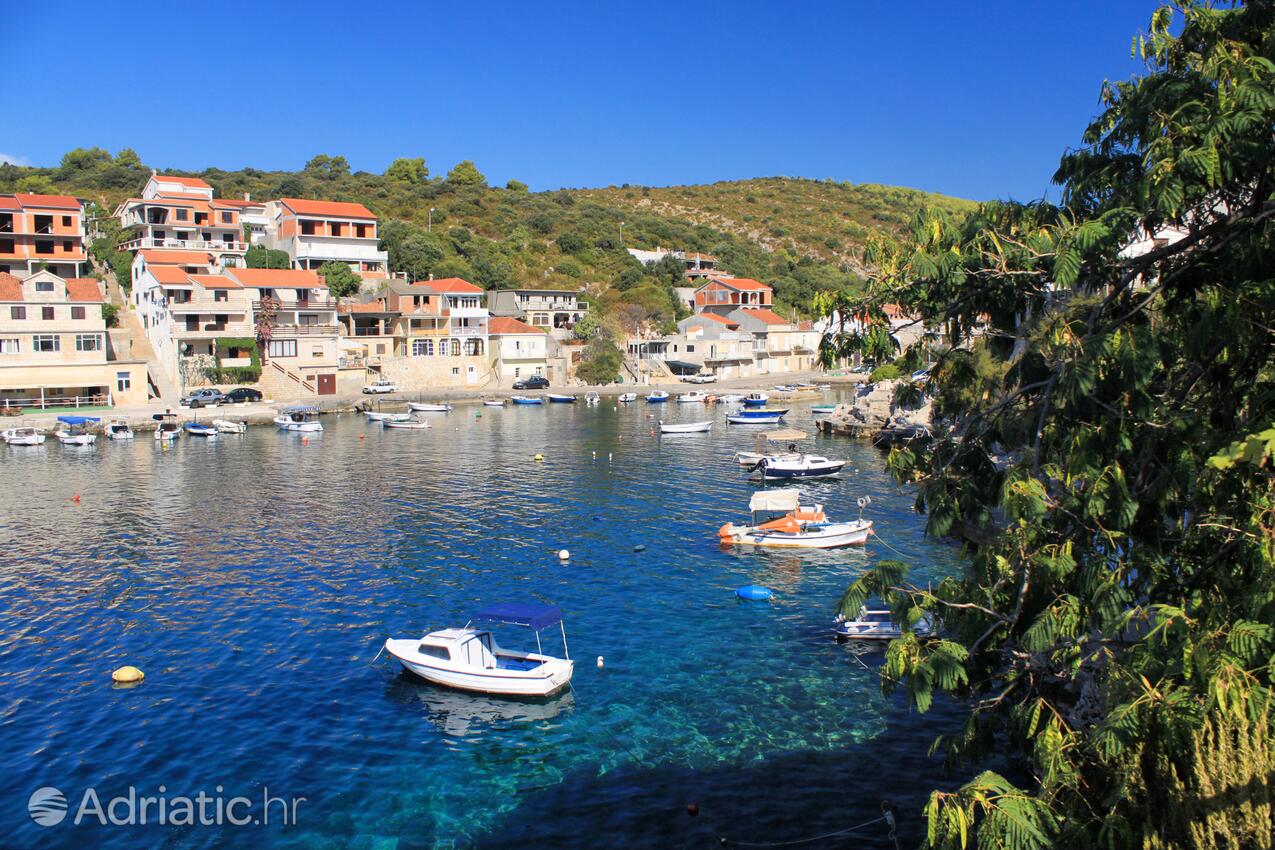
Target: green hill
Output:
[(798, 235)]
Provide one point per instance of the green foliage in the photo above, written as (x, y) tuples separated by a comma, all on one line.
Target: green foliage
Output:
[(249, 374), (111, 315), (600, 361), (885, 372), (261, 257), (465, 173), (516, 186), (341, 282), (409, 171), (1107, 445), (327, 168), (587, 327)]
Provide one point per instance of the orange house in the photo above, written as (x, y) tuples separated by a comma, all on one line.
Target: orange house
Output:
[(724, 295), (41, 232), (317, 232)]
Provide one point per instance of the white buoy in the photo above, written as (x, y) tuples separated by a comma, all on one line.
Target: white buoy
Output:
[(599, 662), (563, 555), (608, 457)]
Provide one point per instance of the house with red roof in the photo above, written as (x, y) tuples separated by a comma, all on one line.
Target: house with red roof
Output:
[(519, 350), (54, 349), (723, 295), (181, 213), (42, 232), (317, 232)]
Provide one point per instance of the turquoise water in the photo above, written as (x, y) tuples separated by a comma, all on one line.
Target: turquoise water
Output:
[(254, 578)]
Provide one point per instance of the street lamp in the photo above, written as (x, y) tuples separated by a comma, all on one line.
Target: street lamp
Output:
[(429, 224), (621, 234)]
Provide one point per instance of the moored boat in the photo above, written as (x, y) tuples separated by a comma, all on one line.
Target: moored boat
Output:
[(756, 400), (822, 409), (528, 399), (627, 398), (493, 402), (118, 429), (200, 429), (427, 407), (470, 659), (781, 521), (226, 426), (657, 397), (591, 398), (555, 398), (409, 423), (758, 419), (299, 418), (730, 398), (166, 427), (685, 427), (23, 436), (876, 624), (386, 417), (693, 397), (74, 430), (802, 466)]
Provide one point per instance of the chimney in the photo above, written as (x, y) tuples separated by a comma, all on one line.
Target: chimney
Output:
[(247, 197)]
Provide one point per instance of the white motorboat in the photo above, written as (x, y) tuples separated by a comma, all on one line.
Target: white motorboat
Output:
[(299, 418), (685, 427), (756, 400), (876, 624), (693, 397), (657, 397), (762, 446), (751, 458), (225, 426), (420, 407), (780, 521), (167, 428), (469, 659), (627, 398), (23, 436), (802, 466), (374, 416), (118, 429), (411, 424), (74, 430), (493, 402), (592, 399), (822, 409), (730, 398)]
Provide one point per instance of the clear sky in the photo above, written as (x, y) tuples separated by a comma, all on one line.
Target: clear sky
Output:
[(976, 99)]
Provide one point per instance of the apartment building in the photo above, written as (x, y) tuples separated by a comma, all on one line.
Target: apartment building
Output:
[(54, 346), (296, 319), (556, 310), (181, 213), (724, 295), (42, 232), (317, 232), (519, 350)]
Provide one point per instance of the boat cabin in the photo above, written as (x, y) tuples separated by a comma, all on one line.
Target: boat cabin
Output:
[(472, 648), (301, 413)]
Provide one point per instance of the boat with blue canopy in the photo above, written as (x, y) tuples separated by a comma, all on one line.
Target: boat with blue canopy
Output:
[(470, 659), (74, 430)]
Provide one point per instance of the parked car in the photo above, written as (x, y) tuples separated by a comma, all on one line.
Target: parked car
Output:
[(241, 395), (533, 382), (702, 378), (380, 386), (202, 397)]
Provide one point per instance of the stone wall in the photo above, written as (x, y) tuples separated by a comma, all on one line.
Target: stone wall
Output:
[(876, 412), (427, 373)]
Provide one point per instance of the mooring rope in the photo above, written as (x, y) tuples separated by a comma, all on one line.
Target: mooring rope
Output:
[(885, 817), (888, 546), (378, 655)]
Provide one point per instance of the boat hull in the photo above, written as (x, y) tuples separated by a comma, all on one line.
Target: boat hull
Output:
[(686, 428), (428, 408), (772, 473), (414, 426), (299, 427), (755, 420), (562, 399), (523, 400), (549, 678), (824, 536)]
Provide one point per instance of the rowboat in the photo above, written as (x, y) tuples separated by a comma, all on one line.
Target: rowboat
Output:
[(23, 436), (685, 427), (470, 659), (554, 398), (781, 521), (299, 418), (419, 407), (200, 429), (693, 397), (657, 397), (493, 402), (74, 430), (764, 419), (118, 429), (413, 424), (527, 399), (760, 412), (375, 416), (225, 426), (822, 409)]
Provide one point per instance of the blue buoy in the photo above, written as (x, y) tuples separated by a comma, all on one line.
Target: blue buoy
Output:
[(754, 592)]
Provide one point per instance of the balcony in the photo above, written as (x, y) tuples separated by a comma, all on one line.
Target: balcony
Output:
[(344, 248), (212, 330), (314, 302), (185, 245), (290, 331), (207, 305)]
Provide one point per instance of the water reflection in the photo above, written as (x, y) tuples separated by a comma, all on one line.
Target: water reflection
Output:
[(463, 715)]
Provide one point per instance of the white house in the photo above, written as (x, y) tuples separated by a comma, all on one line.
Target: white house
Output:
[(519, 350)]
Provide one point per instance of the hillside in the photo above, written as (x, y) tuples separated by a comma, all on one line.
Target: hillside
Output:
[(801, 236)]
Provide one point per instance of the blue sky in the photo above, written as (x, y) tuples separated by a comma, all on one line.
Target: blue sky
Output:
[(975, 99)]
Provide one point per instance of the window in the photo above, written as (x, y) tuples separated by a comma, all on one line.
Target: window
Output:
[(181, 215), (10, 345), (77, 312), (690, 349), (17, 313), (422, 348), (227, 217), (46, 343), (435, 651), (6, 246), (220, 295), (44, 286), (123, 381), (46, 313), (361, 231), (316, 352), (282, 348), (88, 342), (517, 372), (307, 228), (44, 246), (455, 370), (455, 348), (66, 221), (380, 348), (68, 245)]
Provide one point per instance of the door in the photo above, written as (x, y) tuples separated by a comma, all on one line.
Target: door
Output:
[(327, 385), (471, 375)]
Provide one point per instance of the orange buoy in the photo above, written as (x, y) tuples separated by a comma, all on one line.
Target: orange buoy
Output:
[(76, 498)]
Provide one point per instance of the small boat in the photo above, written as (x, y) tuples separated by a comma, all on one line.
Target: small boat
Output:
[(225, 426), (200, 429), (493, 402), (762, 447), (23, 436), (74, 430), (118, 429), (527, 399), (756, 400), (592, 399), (760, 419), (470, 659), (627, 398), (166, 426), (685, 427), (418, 407), (730, 398), (299, 418), (414, 424), (554, 398), (386, 417), (657, 397), (802, 466), (823, 409), (781, 521), (693, 397), (876, 624)]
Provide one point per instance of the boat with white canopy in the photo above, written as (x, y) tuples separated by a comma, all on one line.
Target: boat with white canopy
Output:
[(781, 521), (764, 446), (470, 659)]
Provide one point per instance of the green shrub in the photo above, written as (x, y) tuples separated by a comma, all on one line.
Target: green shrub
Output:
[(886, 372)]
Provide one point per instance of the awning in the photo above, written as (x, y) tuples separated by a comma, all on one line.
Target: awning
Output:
[(682, 367), (78, 420), (533, 615), (774, 500)]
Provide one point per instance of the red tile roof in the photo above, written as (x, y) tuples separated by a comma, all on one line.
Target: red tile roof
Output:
[(270, 278), (498, 325), (157, 257), (170, 275), (192, 182), (60, 202), (450, 284), (8, 202), (84, 289), (10, 287), (340, 209), (770, 317), (717, 318), (741, 283), (215, 281)]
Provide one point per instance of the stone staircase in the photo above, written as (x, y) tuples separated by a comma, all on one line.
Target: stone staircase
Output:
[(282, 384)]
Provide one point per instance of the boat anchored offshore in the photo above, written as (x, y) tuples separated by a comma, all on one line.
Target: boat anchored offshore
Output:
[(657, 397), (555, 398), (685, 427), (200, 429), (756, 416), (876, 624), (627, 398), (693, 397), (756, 400), (419, 407), (23, 436), (301, 418), (592, 399), (470, 659), (225, 426), (493, 402), (118, 429), (74, 430), (379, 416), (409, 423), (780, 521), (802, 466)]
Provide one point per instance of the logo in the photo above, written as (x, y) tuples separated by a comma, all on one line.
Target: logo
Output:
[(47, 806)]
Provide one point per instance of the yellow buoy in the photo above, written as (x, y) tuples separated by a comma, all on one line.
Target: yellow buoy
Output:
[(538, 458), (128, 675)]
